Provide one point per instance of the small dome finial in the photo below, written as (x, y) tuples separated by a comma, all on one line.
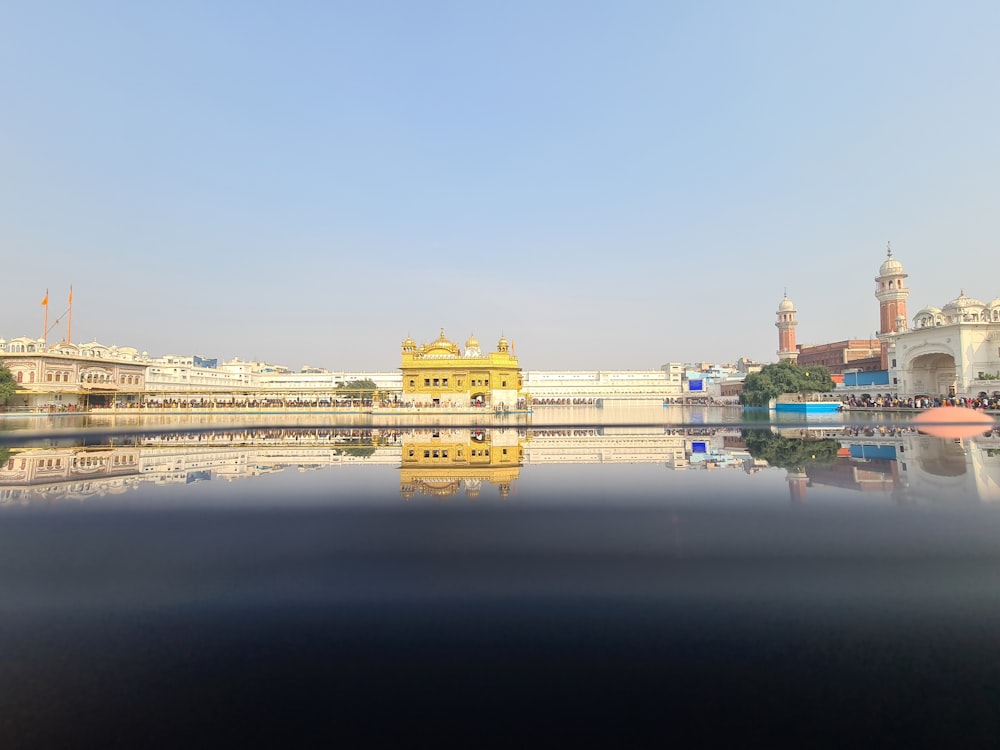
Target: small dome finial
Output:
[(888, 249)]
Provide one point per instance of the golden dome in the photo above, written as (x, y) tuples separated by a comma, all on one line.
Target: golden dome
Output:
[(472, 342), (442, 346)]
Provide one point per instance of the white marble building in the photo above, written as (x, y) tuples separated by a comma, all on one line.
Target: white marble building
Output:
[(952, 350)]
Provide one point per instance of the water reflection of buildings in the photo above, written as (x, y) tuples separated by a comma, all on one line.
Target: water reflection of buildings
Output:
[(80, 472), (437, 462), (676, 448), (908, 468), (898, 467)]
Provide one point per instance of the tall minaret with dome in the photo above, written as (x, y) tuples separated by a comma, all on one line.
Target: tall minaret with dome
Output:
[(891, 292), (786, 323)]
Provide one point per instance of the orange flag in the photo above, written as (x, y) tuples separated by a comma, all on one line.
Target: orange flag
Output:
[(45, 302), (71, 295)]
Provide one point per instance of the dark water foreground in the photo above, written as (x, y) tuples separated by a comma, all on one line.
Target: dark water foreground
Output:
[(631, 607)]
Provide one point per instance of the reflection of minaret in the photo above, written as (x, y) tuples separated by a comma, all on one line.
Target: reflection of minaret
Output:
[(891, 293), (798, 483), (786, 323)]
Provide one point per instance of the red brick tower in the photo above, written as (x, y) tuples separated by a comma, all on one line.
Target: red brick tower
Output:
[(786, 323), (891, 292)]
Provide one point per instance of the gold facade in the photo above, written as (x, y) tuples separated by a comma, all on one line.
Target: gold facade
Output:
[(441, 374), (440, 463)]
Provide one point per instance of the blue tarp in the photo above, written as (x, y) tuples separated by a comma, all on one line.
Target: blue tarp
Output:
[(874, 451), (872, 377), (695, 385)]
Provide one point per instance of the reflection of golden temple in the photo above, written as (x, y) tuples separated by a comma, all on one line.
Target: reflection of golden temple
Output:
[(439, 462)]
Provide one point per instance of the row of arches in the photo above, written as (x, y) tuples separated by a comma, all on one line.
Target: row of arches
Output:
[(62, 376), (928, 320)]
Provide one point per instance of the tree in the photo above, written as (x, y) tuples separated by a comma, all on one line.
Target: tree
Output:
[(784, 377), (362, 389), (7, 384), (790, 453)]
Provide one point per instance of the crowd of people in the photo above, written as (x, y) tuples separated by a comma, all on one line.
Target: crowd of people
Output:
[(889, 401)]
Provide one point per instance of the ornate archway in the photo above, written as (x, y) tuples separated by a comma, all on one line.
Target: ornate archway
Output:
[(934, 373)]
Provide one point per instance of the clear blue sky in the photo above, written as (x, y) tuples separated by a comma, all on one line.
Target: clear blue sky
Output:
[(611, 185)]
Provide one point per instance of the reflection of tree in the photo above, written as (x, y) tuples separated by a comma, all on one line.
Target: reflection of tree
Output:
[(359, 451), (359, 447), (790, 453), (4, 455)]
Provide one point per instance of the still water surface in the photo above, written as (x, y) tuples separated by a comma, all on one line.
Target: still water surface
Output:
[(559, 456), (360, 571)]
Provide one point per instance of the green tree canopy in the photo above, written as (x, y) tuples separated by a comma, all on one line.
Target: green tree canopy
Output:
[(7, 384), (784, 377), (790, 453), (357, 389)]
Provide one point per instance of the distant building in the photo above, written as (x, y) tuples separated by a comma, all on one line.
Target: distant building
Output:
[(850, 354), (840, 356), (953, 350), (67, 377), (590, 386)]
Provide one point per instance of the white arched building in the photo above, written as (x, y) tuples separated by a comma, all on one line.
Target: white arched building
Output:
[(953, 350)]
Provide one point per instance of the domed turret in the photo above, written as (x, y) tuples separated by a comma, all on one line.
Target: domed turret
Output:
[(503, 346), (928, 317), (472, 347), (890, 266), (964, 309), (891, 293), (786, 323), (995, 310)]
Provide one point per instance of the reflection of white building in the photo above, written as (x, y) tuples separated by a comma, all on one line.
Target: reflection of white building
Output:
[(953, 350), (951, 471), (928, 470)]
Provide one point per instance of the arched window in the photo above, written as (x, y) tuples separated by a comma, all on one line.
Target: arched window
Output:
[(31, 377), (48, 377), (20, 377)]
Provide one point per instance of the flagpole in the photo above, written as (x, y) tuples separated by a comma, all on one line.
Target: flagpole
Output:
[(45, 325), (69, 323)]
